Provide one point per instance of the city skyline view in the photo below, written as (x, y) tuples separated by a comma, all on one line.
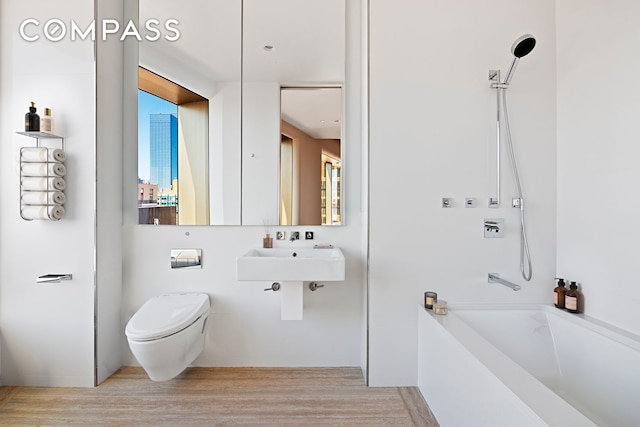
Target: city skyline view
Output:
[(163, 148), (147, 105)]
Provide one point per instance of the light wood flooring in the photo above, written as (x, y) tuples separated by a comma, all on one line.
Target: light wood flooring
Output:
[(220, 397)]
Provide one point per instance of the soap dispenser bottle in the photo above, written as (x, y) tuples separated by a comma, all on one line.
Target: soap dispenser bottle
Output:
[(31, 119), (559, 293), (46, 122), (572, 299)]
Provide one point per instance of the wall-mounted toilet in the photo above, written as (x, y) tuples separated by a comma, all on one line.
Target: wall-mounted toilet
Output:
[(167, 333)]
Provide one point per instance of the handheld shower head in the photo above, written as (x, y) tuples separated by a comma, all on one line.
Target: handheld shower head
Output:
[(521, 47)]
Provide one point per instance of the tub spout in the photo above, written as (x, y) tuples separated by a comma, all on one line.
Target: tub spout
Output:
[(494, 278)]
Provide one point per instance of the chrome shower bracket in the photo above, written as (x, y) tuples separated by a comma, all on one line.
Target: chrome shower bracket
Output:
[(494, 78)]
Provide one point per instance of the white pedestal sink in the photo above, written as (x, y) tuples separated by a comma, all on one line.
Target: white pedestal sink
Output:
[(291, 267)]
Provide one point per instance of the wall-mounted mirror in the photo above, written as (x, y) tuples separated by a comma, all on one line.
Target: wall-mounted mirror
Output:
[(310, 155), (192, 168), (238, 58), (292, 51)]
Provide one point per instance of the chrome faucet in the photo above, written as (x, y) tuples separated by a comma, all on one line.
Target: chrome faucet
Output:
[(494, 278)]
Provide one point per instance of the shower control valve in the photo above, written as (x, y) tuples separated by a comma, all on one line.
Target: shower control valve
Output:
[(493, 228)]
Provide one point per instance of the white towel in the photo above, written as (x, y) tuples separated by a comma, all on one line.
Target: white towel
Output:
[(43, 198), (43, 169), (43, 184), (42, 154), (54, 213)]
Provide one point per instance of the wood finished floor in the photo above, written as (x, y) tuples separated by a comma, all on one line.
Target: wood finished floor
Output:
[(220, 397)]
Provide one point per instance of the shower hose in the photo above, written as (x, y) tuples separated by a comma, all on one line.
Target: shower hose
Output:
[(525, 256)]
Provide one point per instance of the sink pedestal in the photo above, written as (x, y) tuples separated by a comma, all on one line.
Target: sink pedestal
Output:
[(291, 303)]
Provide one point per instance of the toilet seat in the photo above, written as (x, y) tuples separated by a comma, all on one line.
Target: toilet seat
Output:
[(166, 315)]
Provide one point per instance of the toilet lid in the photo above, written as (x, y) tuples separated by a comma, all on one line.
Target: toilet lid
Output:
[(165, 315)]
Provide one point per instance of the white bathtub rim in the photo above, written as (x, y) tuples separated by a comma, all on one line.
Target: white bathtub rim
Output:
[(531, 391), (442, 388), (615, 333)]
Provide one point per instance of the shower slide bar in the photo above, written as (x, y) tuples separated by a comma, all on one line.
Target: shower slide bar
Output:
[(494, 76)]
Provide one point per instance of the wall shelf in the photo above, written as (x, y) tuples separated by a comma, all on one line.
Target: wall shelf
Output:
[(42, 135)]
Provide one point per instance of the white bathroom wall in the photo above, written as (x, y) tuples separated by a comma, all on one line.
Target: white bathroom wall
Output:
[(224, 155), (260, 152), (364, 171), (432, 135), (47, 331), (245, 327), (598, 151), (108, 164)]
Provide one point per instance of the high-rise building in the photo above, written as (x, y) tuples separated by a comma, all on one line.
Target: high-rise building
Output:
[(163, 149)]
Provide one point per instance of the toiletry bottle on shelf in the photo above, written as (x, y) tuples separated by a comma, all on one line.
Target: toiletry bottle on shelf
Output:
[(46, 122), (559, 293), (572, 299), (267, 241), (31, 119)]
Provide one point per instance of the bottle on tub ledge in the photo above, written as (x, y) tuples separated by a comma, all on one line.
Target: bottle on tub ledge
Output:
[(572, 299), (559, 293)]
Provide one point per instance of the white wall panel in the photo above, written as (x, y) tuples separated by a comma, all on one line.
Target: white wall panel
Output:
[(598, 173), (47, 330), (432, 136)]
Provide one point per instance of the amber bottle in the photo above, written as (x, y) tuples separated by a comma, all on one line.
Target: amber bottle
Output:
[(572, 299), (559, 293)]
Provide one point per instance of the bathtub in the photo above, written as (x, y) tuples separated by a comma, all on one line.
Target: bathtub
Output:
[(527, 365)]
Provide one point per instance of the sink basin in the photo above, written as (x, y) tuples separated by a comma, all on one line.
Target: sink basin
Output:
[(291, 264)]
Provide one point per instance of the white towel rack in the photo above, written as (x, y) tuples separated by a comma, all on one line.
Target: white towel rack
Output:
[(38, 136)]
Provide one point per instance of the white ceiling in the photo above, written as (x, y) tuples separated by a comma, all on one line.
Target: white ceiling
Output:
[(308, 39), (317, 112)]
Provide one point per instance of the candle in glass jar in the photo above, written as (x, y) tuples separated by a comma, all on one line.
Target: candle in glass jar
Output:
[(440, 307), (430, 299)]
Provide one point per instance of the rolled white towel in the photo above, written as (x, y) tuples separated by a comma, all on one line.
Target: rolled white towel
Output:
[(54, 212), (43, 198), (43, 169), (57, 155), (42, 154), (43, 184)]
